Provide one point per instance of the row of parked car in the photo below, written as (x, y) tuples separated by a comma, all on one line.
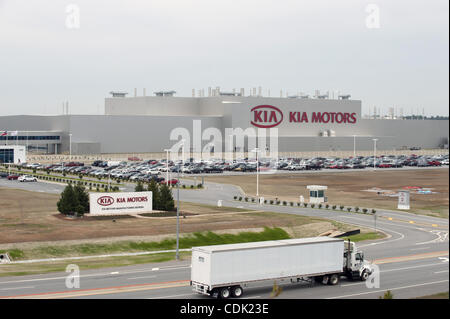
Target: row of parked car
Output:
[(20, 178), (146, 171)]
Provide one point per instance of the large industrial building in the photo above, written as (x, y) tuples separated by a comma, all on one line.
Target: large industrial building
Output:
[(141, 124)]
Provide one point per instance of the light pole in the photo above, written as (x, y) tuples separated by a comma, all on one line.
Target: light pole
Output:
[(354, 146), (70, 147), (256, 150), (177, 254), (167, 165), (374, 152)]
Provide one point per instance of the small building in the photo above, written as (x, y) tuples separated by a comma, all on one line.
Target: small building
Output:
[(14, 154), (317, 194)]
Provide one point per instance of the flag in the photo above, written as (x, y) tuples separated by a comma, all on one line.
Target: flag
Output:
[(4, 133), (13, 133)]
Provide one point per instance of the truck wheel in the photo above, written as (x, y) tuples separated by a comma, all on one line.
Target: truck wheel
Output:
[(237, 291), (364, 275), (325, 279), (214, 293), (334, 280), (225, 293)]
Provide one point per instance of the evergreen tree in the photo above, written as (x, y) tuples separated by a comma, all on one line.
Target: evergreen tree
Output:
[(83, 198), (167, 202), (153, 187), (68, 202), (139, 187)]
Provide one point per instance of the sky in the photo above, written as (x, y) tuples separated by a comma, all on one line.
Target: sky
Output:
[(385, 53)]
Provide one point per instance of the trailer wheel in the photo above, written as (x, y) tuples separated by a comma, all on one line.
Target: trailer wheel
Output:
[(334, 280), (214, 293), (325, 279), (225, 293), (237, 291)]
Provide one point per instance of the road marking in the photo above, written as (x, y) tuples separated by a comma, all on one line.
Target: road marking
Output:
[(410, 257), (102, 291), (142, 277), (14, 288), (439, 272), (114, 273), (173, 296), (395, 288), (420, 248), (155, 269), (444, 259), (252, 297)]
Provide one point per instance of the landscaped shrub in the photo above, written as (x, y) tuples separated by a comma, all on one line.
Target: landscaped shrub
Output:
[(246, 199), (234, 197), (305, 204), (326, 206), (319, 206), (271, 201), (253, 200), (183, 186), (313, 205), (240, 198), (373, 211), (357, 209), (365, 210), (341, 207), (192, 187), (349, 209), (333, 207), (292, 203), (284, 203)]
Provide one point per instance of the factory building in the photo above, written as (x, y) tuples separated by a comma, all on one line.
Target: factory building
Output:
[(141, 124)]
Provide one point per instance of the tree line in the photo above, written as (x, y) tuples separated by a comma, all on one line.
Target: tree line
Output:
[(161, 194)]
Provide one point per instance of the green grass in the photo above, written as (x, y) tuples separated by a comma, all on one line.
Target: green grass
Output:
[(365, 236), (42, 268), (187, 241)]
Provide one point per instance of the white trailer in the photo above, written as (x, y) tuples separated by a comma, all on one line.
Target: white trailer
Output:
[(221, 271)]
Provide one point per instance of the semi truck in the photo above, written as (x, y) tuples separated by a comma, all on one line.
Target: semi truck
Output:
[(222, 271)]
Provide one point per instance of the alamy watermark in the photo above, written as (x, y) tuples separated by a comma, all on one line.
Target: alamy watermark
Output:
[(73, 279), (73, 16)]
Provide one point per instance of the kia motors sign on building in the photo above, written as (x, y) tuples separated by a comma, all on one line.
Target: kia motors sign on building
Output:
[(120, 203)]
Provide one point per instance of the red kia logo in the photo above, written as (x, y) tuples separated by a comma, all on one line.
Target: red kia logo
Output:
[(266, 116), (105, 200)]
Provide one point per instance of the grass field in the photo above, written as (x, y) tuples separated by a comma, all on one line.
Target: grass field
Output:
[(350, 188), (29, 219)]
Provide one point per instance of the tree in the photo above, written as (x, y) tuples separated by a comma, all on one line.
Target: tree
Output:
[(166, 198), (68, 202), (153, 187), (139, 187), (83, 198)]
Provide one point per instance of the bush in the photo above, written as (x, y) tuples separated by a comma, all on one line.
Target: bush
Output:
[(333, 207), (319, 206), (73, 200), (365, 210), (200, 186), (327, 206), (341, 207), (373, 211), (253, 200), (246, 199), (271, 202), (240, 198), (313, 205), (183, 186), (191, 187), (305, 205), (284, 203), (234, 197), (357, 209), (139, 187), (349, 209), (292, 203)]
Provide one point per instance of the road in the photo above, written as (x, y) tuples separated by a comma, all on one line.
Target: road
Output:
[(413, 261)]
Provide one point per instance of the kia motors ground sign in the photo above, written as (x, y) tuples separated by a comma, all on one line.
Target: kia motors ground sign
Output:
[(120, 203)]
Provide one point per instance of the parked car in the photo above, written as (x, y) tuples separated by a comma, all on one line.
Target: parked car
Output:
[(3, 175), (27, 178), (13, 177)]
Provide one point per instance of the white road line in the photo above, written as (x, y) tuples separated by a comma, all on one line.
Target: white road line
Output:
[(395, 288), (412, 267), (14, 288), (114, 273), (173, 296), (132, 278), (439, 272), (252, 297), (420, 248)]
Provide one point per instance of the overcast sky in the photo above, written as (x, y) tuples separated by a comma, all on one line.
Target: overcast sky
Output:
[(46, 59)]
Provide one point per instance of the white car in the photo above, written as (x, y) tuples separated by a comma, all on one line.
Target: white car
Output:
[(27, 178)]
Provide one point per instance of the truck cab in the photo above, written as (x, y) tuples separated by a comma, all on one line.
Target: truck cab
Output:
[(355, 266)]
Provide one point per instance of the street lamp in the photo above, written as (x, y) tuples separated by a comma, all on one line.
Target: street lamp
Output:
[(70, 147), (167, 165), (354, 146), (374, 152), (177, 254), (256, 150)]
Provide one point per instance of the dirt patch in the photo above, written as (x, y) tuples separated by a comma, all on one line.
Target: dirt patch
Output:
[(350, 188)]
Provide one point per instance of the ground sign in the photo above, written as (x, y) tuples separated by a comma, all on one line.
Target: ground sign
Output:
[(120, 203)]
